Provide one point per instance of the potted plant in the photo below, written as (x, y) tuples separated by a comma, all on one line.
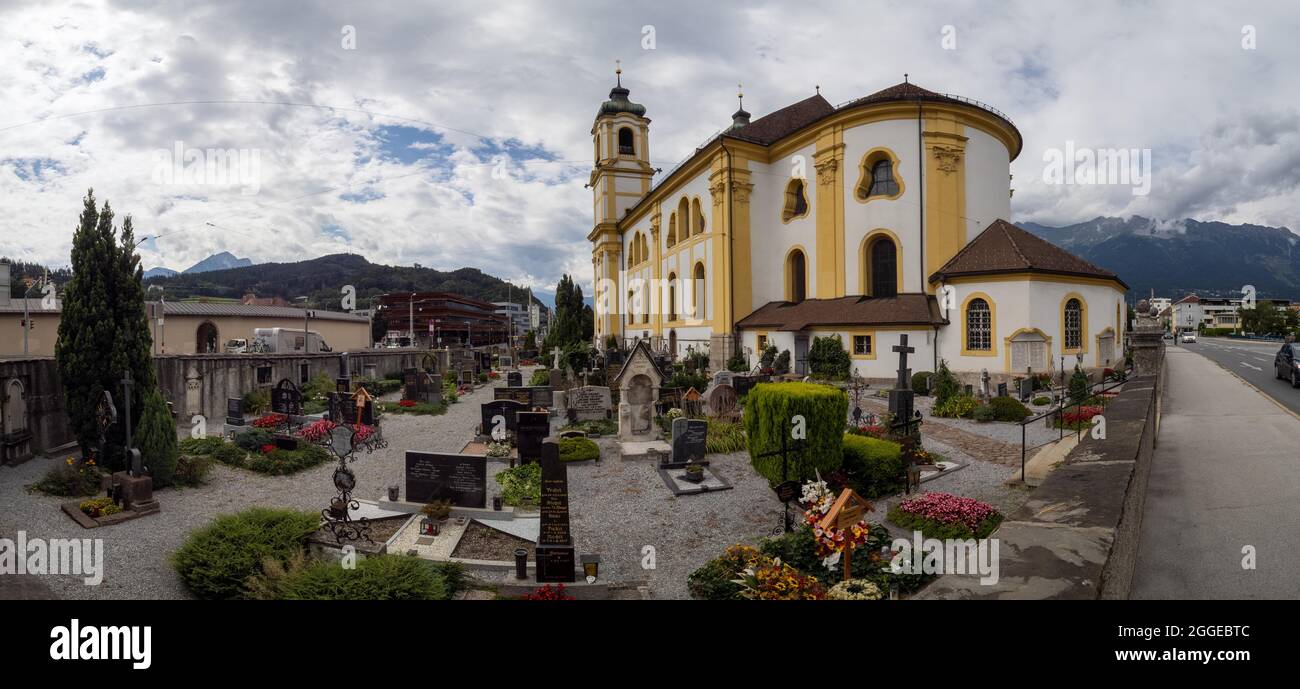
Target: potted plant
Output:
[(694, 472)]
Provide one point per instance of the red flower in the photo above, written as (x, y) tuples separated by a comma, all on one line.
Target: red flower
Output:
[(270, 420), (549, 592), (268, 449), (406, 403)]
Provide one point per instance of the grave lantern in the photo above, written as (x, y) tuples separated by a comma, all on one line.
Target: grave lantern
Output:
[(591, 567)]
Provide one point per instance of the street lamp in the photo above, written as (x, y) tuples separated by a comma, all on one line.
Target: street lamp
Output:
[(161, 320)]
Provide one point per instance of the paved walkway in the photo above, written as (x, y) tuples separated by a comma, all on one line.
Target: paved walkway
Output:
[(1223, 477)]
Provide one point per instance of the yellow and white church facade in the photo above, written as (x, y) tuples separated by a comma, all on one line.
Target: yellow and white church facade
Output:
[(877, 218)]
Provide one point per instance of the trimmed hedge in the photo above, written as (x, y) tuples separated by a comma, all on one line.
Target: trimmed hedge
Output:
[(827, 358), (217, 560), (380, 577), (874, 466), (578, 450), (1008, 409), (770, 409)]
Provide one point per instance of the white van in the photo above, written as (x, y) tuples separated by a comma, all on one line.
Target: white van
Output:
[(280, 340)]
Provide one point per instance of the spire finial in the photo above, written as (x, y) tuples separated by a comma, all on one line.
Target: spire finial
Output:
[(740, 94), (904, 77), (819, 89), (618, 72)]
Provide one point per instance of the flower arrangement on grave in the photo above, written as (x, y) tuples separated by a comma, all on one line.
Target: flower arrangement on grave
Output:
[(548, 592), (817, 500), (674, 413), (775, 580), (406, 403), (943, 515), (267, 448), (493, 375), (498, 449), (317, 430), (1082, 415), (854, 589), (99, 507), (272, 420), (438, 509), (363, 432)]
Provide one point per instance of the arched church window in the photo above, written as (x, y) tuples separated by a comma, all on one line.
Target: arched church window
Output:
[(672, 296), (796, 200), (697, 292), (684, 212), (672, 229), (699, 216), (1073, 324), (884, 268), (878, 176), (796, 277), (979, 326), (625, 145)]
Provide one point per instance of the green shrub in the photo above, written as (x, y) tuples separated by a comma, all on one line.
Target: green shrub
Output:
[(191, 470), (827, 358), (781, 365), (216, 561), (1008, 409), (71, 479), (714, 580), (768, 358), (687, 379), (257, 401), (737, 362), (156, 439), (280, 462), (578, 450), (521, 485), (1080, 388), (946, 385), (595, 427), (541, 377), (984, 413), (381, 577), (1041, 400), (921, 382), (252, 439), (770, 411), (959, 406), (201, 446), (874, 466), (231, 454), (724, 437)]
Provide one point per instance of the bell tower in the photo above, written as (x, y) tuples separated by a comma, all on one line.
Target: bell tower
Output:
[(620, 177)]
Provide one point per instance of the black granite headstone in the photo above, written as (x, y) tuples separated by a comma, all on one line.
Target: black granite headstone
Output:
[(532, 428), (286, 398), (507, 410), (234, 411), (555, 552), (1002, 389), (514, 379), (462, 479), (689, 437)]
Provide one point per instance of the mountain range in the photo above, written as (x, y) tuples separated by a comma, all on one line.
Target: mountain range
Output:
[(1181, 257), (322, 280), (221, 261)]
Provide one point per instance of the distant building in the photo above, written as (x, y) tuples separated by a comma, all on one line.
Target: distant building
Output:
[(1193, 312), (442, 318), (516, 314)]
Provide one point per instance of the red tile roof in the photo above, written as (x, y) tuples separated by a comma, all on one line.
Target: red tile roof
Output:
[(775, 126), (1005, 248), (856, 310)]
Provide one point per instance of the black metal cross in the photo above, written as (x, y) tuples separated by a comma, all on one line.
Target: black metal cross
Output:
[(904, 373)]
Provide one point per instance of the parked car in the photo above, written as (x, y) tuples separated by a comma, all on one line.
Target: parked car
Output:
[(1189, 337), (1169, 335), (1285, 366)]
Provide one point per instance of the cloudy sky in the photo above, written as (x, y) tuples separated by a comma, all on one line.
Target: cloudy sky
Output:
[(455, 134)]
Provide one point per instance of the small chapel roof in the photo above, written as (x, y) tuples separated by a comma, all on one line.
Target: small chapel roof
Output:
[(904, 309), (1005, 248)]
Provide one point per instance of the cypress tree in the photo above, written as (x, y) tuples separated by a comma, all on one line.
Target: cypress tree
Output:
[(157, 438)]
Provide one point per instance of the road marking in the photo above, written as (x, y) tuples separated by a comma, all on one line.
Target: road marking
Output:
[(1250, 366)]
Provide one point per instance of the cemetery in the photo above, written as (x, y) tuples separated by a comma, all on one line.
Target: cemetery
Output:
[(619, 472)]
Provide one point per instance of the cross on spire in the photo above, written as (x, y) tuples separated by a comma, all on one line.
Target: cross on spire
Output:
[(618, 72), (740, 94)]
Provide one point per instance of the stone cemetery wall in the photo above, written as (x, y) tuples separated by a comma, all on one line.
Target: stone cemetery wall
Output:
[(46, 419)]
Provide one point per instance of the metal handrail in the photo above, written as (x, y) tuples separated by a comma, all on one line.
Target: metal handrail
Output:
[(1059, 413)]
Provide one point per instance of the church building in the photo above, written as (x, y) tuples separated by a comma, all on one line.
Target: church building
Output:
[(884, 216)]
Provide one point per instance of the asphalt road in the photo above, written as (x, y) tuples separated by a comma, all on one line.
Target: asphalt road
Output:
[(1252, 361), (1220, 520)]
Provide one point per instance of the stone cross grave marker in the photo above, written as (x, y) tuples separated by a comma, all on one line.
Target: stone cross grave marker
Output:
[(901, 398)]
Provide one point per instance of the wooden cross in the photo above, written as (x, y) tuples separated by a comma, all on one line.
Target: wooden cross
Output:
[(846, 511)]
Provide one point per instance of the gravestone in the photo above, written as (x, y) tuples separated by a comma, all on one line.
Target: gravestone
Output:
[(542, 396), (411, 384), (555, 552), (505, 361), (743, 384), (499, 416), (638, 384), (724, 378), (969, 390), (1026, 389), (721, 402), (234, 411), (286, 398), (556, 379), (984, 384), (532, 427), (343, 385), (1002, 389), (589, 402), (520, 395), (902, 397), (467, 376), (514, 379), (462, 479), (689, 437)]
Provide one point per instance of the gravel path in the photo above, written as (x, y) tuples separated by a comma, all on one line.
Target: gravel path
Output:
[(135, 552)]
